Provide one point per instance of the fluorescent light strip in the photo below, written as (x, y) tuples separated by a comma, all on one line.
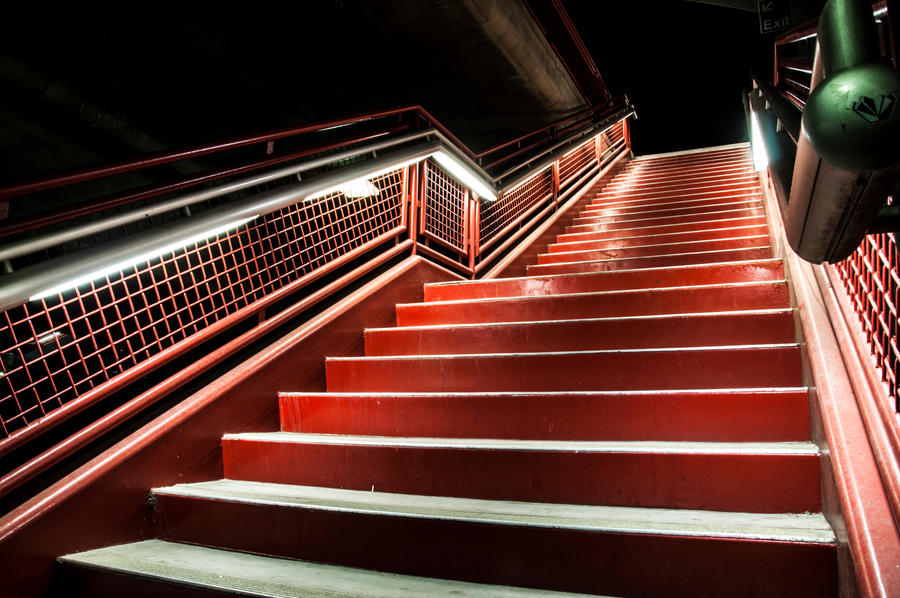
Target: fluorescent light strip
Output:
[(456, 169), (364, 179), (760, 157), (103, 272), (464, 175)]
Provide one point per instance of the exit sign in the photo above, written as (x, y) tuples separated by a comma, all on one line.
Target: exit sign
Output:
[(774, 15)]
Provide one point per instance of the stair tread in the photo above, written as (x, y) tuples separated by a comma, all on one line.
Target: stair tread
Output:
[(764, 261), (784, 527), (661, 317), (551, 393), (793, 448), (629, 291), (257, 575)]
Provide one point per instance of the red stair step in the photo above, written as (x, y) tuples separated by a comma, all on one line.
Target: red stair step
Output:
[(717, 416), (743, 477), (633, 302), (681, 330), (646, 369), (476, 541), (659, 238), (699, 217), (662, 261), (652, 250), (688, 227), (748, 271), (730, 203)]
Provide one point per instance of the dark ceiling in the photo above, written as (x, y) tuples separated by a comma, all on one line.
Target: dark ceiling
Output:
[(85, 84), (82, 84)]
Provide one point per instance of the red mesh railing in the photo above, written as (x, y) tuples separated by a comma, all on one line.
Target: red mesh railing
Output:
[(498, 216), (55, 349), (64, 353), (577, 161), (871, 277), (443, 215)]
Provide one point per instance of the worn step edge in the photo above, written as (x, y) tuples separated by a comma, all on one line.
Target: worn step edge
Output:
[(663, 447), (256, 575), (784, 527)]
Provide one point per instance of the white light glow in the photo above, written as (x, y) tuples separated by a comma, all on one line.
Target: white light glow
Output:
[(128, 263), (464, 175), (343, 187), (47, 338), (359, 188), (880, 12), (760, 157)]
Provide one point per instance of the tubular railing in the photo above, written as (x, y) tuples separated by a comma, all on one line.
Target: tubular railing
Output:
[(101, 295)]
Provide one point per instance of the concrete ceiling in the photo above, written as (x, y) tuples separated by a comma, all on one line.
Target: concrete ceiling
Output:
[(83, 84)]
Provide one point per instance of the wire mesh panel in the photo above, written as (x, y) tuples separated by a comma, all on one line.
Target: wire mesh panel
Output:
[(871, 278), (444, 209), (577, 161), (56, 349), (508, 210)]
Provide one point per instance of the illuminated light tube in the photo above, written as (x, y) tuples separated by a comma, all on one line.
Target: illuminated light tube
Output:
[(356, 184), (133, 261), (464, 175), (760, 157), (359, 188)]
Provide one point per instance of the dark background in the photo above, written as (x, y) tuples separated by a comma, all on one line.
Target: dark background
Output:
[(682, 64)]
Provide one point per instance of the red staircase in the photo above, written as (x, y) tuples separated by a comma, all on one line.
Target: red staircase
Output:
[(628, 419)]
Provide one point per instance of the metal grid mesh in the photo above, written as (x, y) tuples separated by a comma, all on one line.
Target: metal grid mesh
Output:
[(497, 216), (55, 350), (444, 209), (871, 278), (576, 161)]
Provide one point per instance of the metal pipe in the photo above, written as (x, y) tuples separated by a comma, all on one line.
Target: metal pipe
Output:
[(600, 127), (28, 282), (22, 248), (194, 152)]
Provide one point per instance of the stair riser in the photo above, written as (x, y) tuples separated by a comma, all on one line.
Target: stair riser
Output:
[(658, 239), (682, 369), (612, 281), (744, 483), (717, 214), (684, 259), (569, 560), (583, 335), (655, 250), (724, 204), (567, 307), (720, 417), (690, 227)]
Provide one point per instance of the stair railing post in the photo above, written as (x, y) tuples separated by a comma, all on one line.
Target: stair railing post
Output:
[(412, 186), (555, 184), (474, 230)]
